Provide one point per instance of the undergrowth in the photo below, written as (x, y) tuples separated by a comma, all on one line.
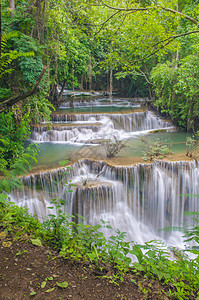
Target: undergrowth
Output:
[(82, 242)]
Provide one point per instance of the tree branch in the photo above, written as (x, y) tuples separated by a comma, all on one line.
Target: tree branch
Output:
[(126, 9), (143, 74), (9, 102), (102, 24), (169, 40), (149, 8), (176, 36), (179, 13)]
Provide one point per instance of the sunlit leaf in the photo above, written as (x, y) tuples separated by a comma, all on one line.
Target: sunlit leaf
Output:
[(62, 284)]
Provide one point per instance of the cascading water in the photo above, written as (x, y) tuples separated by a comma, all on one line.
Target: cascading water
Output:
[(139, 199), (118, 125), (97, 102)]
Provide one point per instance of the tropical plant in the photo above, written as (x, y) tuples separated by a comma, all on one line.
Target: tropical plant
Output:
[(157, 149), (192, 146), (113, 147)]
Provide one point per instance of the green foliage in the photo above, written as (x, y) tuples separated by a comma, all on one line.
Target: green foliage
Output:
[(18, 166), (176, 90), (192, 146), (8, 56), (86, 242), (113, 147), (13, 136), (154, 150), (36, 242), (29, 66), (13, 218)]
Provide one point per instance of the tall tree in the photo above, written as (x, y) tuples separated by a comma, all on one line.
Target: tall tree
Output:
[(12, 5)]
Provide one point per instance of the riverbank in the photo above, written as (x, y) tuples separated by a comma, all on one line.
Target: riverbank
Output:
[(25, 267)]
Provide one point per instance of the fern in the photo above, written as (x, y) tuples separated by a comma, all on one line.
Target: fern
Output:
[(7, 57)]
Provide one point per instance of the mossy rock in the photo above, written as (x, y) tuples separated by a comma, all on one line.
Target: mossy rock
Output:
[(158, 130)]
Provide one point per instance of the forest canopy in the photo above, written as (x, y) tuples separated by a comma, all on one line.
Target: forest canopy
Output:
[(140, 48)]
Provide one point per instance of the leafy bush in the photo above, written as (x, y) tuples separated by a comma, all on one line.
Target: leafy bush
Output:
[(155, 150), (87, 242), (113, 147), (192, 146), (176, 90)]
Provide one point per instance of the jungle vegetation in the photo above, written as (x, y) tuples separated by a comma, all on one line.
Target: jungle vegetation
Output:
[(140, 48)]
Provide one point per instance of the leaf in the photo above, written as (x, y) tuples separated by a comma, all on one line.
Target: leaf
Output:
[(2, 235), (43, 284), (3, 198), (160, 275), (33, 293), (50, 290), (49, 278), (62, 284), (7, 244), (36, 242)]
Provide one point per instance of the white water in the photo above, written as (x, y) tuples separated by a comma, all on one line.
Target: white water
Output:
[(97, 102), (139, 200), (119, 126)]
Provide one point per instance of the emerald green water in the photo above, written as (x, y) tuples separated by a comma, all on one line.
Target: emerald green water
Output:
[(135, 147), (51, 153)]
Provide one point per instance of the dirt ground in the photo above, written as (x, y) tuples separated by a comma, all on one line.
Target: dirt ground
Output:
[(35, 272)]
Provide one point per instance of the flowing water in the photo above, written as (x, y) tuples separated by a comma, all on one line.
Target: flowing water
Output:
[(139, 199)]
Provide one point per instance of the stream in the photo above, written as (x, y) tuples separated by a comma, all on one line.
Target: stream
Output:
[(137, 197)]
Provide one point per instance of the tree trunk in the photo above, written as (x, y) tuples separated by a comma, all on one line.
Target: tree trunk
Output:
[(90, 73), (62, 90), (111, 84), (73, 78), (177, 51), (150, 92), (12, 5), (0, 32), (82, 83)]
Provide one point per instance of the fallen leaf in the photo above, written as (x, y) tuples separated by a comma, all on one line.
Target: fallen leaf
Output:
[(33, 293), (62, 284), (36, 242), (50, 290), (49, 278), (43, 284), (2, 235), (7, 244)]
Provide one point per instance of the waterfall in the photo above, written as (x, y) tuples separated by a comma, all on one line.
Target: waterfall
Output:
[(97, 102), (135, 102), (85, 130), (139, 199), (127, 121), (62, 133)]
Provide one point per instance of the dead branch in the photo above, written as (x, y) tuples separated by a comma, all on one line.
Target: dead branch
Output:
[(9, 102)]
